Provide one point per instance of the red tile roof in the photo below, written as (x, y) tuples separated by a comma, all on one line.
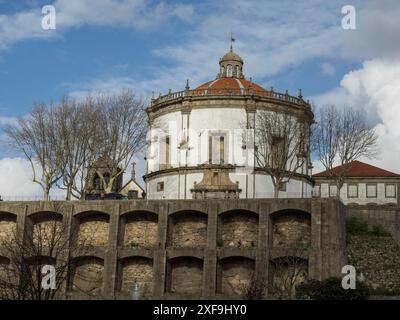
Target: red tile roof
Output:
[(231, 83), (361, 169), (236, 85)]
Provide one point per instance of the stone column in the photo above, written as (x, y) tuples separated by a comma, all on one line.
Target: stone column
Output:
[(67, 213), (262, 256), (315, 256), (210, 254), (159, 261), (21, 223), (20, 233), (111, 254)]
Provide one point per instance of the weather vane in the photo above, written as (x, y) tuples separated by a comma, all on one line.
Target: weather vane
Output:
[(232, 40)]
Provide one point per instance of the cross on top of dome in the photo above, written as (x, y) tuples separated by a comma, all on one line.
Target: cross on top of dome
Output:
[(231, 64)]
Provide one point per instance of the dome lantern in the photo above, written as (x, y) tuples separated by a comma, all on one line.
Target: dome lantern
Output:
[(231, 65)]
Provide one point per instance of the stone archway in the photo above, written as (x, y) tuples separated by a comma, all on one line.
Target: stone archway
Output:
[(238, 228), (86, 275), (8, 227), (185, 276), (235, 275), (92, 228), (139, 229), (187, 229), (46, 229), (139, 270), (290, 229)]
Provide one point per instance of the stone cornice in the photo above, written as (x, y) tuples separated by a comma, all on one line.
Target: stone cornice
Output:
[(202, 168), (188, 103)]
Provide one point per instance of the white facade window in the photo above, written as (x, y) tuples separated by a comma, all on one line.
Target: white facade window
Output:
[(332, 190), (160, 186), (390, 190), (352, 191), (317, 191), (371, 191)]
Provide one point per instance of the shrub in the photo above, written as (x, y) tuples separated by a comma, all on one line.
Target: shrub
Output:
[(330, 289), (356, 226), (378, 231), (385, 292)]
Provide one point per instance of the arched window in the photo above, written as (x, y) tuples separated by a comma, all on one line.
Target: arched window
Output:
[(96, 182), (237, 71), (106, 178), (222, 71), (229, 71)]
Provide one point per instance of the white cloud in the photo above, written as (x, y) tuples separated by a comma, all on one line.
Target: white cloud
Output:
[(376, 33), (273, 37), (107, 85), (374, 88), (327, 69), (7, 120), (270, 37), (16, 179), (140, 14)]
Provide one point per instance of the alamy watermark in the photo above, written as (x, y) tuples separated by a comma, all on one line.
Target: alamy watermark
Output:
[(350, 278), (49, 277), (49, 21), (349, 20)]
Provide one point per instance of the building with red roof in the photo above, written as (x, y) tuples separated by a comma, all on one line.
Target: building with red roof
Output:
[(197, 148), (364, 184)]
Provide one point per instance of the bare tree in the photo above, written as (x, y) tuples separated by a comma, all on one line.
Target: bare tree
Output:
[(281, 146), (288, 271), (62, 141), (121, 131), (45, 241), (76, 136), (340, 137), (255, 289), (35, 136)]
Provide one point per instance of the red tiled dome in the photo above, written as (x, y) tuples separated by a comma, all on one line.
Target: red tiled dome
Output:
[(230, 83), (227, 84)]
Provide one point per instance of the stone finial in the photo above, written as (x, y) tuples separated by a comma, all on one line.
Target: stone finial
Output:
[(187, 85), (300, 95), (133, 171)]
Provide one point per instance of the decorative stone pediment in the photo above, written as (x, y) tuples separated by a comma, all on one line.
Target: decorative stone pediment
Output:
[(216, 184)]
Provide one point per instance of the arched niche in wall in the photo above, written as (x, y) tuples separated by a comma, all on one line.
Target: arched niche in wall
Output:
[(139, 229), (238, 228), (187, 228)]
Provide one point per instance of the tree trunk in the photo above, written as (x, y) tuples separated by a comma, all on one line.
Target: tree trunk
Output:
[(69, 192), (276, 191), (46, 193)]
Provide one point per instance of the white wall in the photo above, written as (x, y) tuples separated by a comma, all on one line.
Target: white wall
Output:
[(197, 126), (362, 198)]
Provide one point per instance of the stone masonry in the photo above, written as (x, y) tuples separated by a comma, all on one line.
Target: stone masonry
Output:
[(184, 248)]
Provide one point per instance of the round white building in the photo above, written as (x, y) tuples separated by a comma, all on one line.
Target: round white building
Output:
[(201, 141)]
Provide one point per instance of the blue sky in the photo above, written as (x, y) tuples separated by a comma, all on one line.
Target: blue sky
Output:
[(154, 46)]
